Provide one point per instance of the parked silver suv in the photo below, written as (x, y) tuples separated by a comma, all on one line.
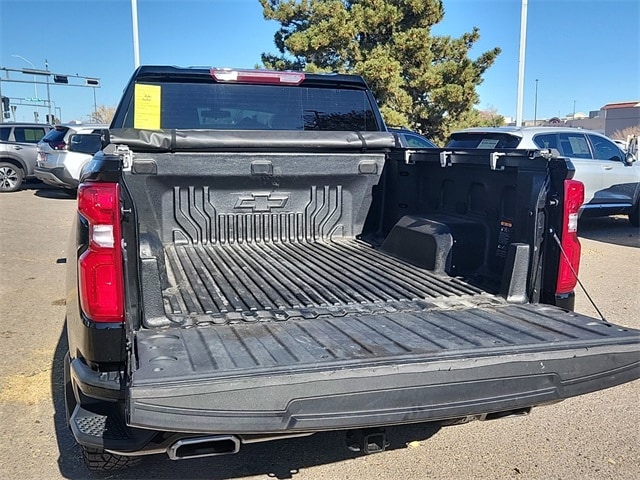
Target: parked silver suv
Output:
[(611, 177), (18, 152), (63, 153)]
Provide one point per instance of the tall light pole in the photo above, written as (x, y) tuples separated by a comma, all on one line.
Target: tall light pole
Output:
[(134, 20), (523, 44), (535, 106)]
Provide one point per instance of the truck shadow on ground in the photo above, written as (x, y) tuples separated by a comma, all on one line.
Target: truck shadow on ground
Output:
[(614, 229), (281, 459), (55, 194), (43, 190)]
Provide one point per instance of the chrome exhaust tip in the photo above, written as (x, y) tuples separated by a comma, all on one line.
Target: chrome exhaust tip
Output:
[(198, 447)]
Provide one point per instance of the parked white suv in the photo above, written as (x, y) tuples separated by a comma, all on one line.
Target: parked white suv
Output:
[(63, 153), (611, 177)]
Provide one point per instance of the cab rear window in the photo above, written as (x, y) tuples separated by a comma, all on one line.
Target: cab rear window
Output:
[(483, 140), (181, 105)]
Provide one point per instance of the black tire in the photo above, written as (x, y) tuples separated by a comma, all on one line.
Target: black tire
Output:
[(11, 177), (634, 216), (101, 461)]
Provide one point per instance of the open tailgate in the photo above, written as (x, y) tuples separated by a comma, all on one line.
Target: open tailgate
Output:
[(345, 370)]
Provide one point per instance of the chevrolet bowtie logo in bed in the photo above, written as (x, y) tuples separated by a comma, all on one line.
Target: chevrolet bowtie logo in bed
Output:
[(262, 202)]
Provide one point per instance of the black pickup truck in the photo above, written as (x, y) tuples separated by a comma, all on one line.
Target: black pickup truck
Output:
[(255, 257)]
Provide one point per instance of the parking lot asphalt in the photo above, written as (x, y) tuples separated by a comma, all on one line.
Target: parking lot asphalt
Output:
[(595, 436)]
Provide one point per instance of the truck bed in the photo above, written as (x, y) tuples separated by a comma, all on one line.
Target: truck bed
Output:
[(267, 309)]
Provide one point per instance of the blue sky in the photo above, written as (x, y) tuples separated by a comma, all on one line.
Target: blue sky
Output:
[(582, 51)]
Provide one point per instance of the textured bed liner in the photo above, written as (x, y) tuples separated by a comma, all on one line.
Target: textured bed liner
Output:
[(223, 283)]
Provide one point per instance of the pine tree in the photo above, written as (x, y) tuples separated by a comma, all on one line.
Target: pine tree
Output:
[(421, 81)]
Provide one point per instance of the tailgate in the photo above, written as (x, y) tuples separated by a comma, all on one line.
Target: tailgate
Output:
[(417, 363)]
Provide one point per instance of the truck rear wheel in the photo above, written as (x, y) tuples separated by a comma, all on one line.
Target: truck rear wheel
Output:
[(11, 177), (99, 460)]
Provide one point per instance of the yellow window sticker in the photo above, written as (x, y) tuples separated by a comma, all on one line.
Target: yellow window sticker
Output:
[(147, 107)]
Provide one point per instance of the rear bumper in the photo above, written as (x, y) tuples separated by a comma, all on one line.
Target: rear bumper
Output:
[(58, 177), (103, 386)]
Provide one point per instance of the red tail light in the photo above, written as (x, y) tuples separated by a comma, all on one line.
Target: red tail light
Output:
[(570, 259), (100, 271)]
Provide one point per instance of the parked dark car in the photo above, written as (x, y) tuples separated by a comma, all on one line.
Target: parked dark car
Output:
[(410, 139)]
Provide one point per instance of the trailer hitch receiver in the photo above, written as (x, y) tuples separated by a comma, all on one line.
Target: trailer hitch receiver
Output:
[(367, 440)]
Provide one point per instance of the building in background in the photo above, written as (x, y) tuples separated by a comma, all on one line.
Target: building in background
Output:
[(611, 118), (620, 116)]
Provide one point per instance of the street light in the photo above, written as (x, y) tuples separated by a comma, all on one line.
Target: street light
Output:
[(35, 85)]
